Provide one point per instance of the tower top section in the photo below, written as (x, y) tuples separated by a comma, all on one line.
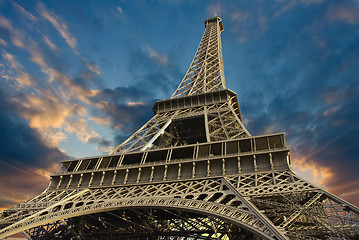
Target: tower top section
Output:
[(206, 71), (217, 19)]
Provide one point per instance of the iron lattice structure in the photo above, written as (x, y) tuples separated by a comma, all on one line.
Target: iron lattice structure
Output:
[(193, 171)]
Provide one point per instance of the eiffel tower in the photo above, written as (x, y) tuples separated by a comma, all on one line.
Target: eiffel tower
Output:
[(193, 171)]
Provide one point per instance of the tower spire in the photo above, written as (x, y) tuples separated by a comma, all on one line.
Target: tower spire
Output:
[(205, 73), (200, 110)]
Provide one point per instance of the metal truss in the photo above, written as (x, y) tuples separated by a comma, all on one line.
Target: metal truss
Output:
[(220, 119), (278, 204), (223, 123), (193, 171), (205, 73), (208, 197), (143, 223)]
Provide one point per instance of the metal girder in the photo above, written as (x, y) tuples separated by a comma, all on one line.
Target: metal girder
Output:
[(276, 201), (206, 70), (210, 197), (220, 119)]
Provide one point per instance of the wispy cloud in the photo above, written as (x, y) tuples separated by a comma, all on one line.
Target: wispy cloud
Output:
[(239, 16), (93, 68), (22, 79), (59, 25), (156, 56), (52, 46), (17, 37), (215, 9), (343, 11), (2, 42), (102, 120), (119, 9), (307, 2), (285, 6), (54, 111), (24, 12)]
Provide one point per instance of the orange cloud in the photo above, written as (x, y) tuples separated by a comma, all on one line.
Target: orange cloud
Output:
[(80, 128), (47, 112), (20, 186), (320, 174), (21, 78), (20, 183), (44, 111), (325, 175), (101, 121), (53, 138), (59, 110)]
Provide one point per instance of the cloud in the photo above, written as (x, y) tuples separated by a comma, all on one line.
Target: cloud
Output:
[(288, 5), (25, 159), (80, 128), (119, 9), (2, 42), (343, 11), (53, 116), (18, 186), (92, 68), (59, 25), (37, 120), (135, 103), (56, 105), (117, 113), (239, 16), (105, 146), (17, 38), (156, 56), (308, 2), (52, 46), (320, 173), (321, 137), (68, 82), (291, 84), (24, 12), (214, 10), (102, 121), (53, 111), (22, 79)]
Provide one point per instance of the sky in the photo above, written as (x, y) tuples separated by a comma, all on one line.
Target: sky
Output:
[(78, 77)]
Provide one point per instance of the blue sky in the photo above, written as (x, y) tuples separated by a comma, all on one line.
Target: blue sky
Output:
[(78, 77)]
